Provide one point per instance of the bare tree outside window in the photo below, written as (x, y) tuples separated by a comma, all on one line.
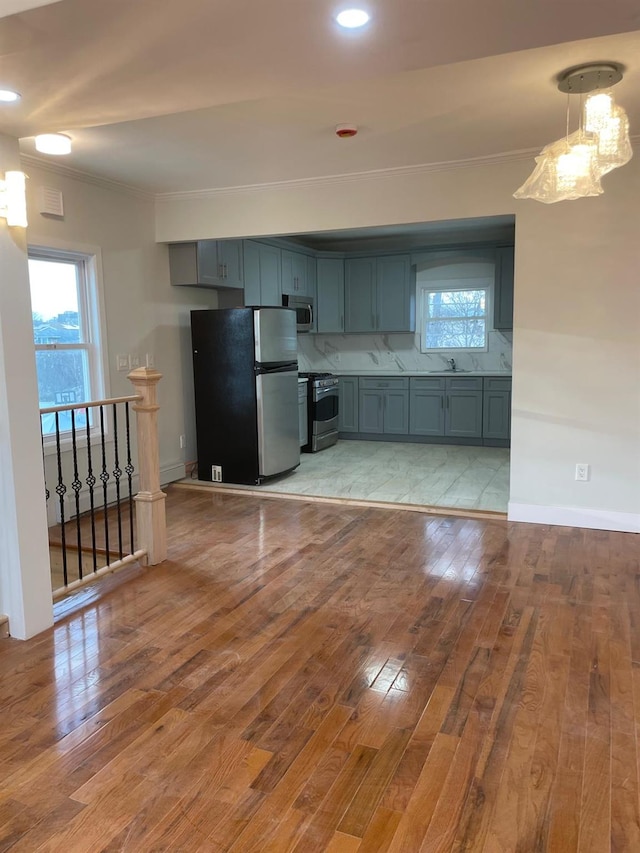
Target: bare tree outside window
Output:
[(455, 319)]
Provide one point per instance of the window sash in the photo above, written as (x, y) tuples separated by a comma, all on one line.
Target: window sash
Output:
[(90, 328), (428, 320)]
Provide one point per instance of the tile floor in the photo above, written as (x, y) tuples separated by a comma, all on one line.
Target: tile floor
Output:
[(431, 474)]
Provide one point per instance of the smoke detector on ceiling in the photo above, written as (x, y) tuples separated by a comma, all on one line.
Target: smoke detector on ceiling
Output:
[(346, 131)]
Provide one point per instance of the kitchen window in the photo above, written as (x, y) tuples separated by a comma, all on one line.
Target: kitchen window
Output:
[(455, 315), (66, 332)]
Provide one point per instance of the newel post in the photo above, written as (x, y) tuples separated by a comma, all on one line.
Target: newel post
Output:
[(150, 510)]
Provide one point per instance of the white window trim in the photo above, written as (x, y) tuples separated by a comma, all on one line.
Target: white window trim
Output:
[(442, 286), (92, 307)]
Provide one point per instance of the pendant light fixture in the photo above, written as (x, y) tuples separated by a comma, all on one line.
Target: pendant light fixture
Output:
[(571, 167)]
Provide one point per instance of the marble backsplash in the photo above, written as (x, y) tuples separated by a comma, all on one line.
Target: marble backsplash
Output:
[(333, 353)]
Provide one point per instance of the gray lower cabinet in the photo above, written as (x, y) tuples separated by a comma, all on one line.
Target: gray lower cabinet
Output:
[(496, 416), (443, 406), (426, 406), (370, 412), (348, 404), (384, 406), (262, 274), (330, 296), (456, 407), (463, 412)]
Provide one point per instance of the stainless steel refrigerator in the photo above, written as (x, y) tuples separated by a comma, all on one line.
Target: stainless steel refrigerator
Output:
[(246, 393)]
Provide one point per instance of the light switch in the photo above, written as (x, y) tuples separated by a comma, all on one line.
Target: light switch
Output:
[(122, 362), (134, 361)]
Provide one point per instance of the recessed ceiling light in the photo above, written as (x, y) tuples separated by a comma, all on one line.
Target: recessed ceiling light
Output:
[(352, 18), (7, 96), (53, 143)]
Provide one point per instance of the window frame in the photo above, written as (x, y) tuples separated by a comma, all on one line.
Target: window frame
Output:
[(92, 323), (451, 286)]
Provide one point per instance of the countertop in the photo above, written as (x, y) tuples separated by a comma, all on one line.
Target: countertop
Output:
[(400, 374), (302, 379)]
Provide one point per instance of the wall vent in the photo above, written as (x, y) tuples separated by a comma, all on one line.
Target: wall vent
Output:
[(51, 202)]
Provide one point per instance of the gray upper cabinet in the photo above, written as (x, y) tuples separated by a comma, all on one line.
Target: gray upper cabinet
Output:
[(503, 289), (262, 274), (360, 295), (330, 296), (312, 276), (294, 274), (348, 404), (379, 294), (396, 294), (207, 263)]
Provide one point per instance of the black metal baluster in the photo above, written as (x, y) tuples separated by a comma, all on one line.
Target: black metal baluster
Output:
[(47, 493), (60, 491), (117, 473), (76, 485), (129, 470), (91, 481), (104, 477)]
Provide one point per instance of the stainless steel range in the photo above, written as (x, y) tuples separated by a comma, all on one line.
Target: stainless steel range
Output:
[(322, 409)]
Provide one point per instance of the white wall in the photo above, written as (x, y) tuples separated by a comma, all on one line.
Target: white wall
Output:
[(25, 592), (143, 313), (576, 341)]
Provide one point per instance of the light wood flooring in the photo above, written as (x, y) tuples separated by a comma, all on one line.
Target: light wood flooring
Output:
[(309, 677)]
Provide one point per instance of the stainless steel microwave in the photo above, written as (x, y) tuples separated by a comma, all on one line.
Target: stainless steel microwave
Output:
[(303, 306)]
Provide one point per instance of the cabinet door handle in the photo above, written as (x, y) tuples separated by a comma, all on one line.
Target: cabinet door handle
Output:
[(220, 274), (226, 273), (442, 402)]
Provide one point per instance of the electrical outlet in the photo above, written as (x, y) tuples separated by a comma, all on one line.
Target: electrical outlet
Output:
[(216, 473), (582, 472), (183, 441), (134, 361), (122, 362)]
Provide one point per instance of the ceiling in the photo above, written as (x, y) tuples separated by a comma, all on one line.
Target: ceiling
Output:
[(182, 96), (445, 232)]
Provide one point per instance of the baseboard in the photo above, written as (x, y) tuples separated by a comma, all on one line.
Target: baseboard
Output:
[(172, 472), (569, 516)]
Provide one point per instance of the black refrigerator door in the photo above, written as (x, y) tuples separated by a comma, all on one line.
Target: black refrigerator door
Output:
[(225, 394)]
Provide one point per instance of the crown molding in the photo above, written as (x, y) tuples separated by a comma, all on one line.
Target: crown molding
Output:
[(87, 177), (351, 177), (296, 183)]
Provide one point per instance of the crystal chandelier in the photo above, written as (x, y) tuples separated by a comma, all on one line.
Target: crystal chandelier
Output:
[(572, 167)]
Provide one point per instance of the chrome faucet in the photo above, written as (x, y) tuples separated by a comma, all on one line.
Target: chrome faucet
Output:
[(452, 363)]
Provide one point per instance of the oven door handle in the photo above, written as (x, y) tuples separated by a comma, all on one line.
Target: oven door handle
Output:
[(319, 393)]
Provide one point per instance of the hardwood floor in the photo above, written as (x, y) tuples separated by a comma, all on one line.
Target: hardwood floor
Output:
[(308, 677)]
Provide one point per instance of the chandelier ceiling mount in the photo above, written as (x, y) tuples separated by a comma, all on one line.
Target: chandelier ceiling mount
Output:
[(587, 78)]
